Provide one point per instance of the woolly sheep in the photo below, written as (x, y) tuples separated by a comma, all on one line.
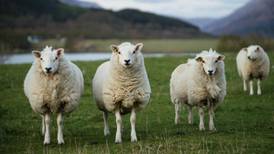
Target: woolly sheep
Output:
[(53, 85), (253, 63), (200, 82), (121, 86)]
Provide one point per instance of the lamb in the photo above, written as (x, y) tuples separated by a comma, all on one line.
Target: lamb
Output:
[(200, 82), (253, 63), (53, 84), (121, 86)]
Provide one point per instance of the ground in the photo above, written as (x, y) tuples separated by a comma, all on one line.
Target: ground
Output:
[(245, 124)]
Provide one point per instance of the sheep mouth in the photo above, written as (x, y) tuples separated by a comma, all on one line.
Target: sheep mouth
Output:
[(127, 65), (251, 59)]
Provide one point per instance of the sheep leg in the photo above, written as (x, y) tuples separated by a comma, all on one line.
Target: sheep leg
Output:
[(106, 127), (43, 125), (251, 87), (201, 114), (47, 129), (133, 122), (259, 91), (190, 116), (60, 120), (118, 137), (177, 113), (245, 87), (211, 118)]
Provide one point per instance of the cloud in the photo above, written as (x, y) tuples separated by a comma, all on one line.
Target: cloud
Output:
[(177, 8)]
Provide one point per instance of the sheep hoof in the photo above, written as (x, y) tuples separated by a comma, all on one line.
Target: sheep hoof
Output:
[(60, 142), (202, 128), (106, 132), (46, 142), (213, 129), (134, 139), (118, 141)]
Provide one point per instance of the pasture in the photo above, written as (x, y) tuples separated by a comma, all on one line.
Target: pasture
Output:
[(245, 124)]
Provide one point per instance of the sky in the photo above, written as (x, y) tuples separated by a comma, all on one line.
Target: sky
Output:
[(177, 8)]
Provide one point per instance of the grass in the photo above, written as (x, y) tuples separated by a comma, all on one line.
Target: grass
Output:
[(245, 123), (151, 45)]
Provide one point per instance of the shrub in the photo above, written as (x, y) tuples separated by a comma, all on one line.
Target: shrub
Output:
[(235, 43)]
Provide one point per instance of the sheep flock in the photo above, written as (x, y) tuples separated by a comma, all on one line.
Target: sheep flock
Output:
[(120, 86)]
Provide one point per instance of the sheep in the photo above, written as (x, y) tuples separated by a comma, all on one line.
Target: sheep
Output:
[(53, 84), (121, 86), (253, 63), (200, 82)]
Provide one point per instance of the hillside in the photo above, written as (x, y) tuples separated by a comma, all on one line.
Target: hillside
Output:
[(200, 22), (52, 18), (82, 4), (257, 17)]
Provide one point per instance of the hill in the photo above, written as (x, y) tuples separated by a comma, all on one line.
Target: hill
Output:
[(256, 17), (52, 18), (200, 22)]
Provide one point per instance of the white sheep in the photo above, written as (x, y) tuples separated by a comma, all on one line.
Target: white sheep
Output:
[(200, 82), (53, 85), (253, 63), (121, 86)]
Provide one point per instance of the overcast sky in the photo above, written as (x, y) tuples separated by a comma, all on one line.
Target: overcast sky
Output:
[(177, 8)]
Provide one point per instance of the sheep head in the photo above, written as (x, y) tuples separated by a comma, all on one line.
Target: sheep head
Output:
[(127, 53), (210, 61), (49, 59), (253, 52)]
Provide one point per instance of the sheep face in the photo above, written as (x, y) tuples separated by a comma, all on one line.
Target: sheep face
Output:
[(253, 52), (127, 53), (49, 59), (210, 61)]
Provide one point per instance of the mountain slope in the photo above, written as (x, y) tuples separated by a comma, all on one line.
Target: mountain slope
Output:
[(200, 22), (257, 17), (52, 18), (82, 4)]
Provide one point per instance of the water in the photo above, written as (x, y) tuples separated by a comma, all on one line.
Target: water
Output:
[(28, 58)]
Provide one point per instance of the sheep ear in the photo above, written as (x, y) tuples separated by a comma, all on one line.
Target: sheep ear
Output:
[(59, 52), (139, 46), (114, 48), (245, 49), (36, 53), (258, 49), (199, 59), (221, 57)]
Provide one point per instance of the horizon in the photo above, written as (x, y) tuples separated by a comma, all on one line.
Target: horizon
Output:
[(176, 8)]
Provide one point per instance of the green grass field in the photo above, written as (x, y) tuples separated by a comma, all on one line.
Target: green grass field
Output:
[(245, 124)]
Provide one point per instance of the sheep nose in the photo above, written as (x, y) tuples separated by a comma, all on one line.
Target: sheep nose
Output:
[(48, 69), (127, 61), (210, 72)]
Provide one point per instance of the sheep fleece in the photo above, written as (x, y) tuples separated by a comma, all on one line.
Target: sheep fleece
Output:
[(116, 87), (54, 93), (190, 85)]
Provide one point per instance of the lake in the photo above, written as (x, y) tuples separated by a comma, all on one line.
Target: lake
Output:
[(28, 58)]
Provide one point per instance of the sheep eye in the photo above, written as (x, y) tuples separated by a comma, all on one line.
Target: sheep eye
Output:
[(134, 51), (119, 52), (41, 58), (216, 61), (56, 58)]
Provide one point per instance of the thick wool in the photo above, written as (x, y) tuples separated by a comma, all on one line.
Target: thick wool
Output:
[(258, 69), (190, 85), (59, 92), (117, 87)]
